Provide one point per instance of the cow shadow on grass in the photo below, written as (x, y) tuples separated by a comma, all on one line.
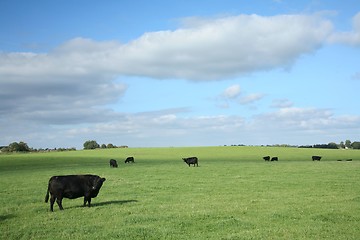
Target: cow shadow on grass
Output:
[(119, 202), (99, 204), (5, 217)]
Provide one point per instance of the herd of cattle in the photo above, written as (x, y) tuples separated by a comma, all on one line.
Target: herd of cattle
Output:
[(314, 158), (267, 158), (113, 162), (88, 186)]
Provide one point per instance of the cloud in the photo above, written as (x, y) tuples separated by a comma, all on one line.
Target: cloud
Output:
[(288, 125), (234, 94), (351, 38), (231, 92), (225, 47), (251, 98), (282, 103), (170, 128), (80, 73), (307, 119), (206, 49)]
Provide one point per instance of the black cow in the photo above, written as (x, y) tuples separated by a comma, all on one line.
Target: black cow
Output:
[(316, 158), (266, 158), (73, 186), (274, 159), (191, 160), (113, 163), (130, 159)]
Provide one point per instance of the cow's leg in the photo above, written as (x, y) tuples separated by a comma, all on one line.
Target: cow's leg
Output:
[(52, 201), (59, 202), (87, 200)]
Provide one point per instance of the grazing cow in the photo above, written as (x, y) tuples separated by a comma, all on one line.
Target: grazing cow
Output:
[(130, 159), (191, 160), (73, 186), (266, 158), (113, 163), (274, 159), (316, 158)]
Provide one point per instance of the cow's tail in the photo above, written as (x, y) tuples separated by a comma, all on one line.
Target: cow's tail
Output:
[(47, 193)]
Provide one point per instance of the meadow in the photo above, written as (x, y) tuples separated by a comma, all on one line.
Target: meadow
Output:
[(233, 194)]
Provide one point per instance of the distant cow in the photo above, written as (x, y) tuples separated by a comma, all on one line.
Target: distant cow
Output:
[(274, 159), (73, 186), (191, 160), (316, 158), (113, 163), (266, 158), (130, 160)]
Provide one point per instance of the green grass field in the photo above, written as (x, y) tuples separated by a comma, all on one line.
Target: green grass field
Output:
[(233, 194)]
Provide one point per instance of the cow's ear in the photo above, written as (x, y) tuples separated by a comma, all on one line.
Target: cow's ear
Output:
[(103, 179)]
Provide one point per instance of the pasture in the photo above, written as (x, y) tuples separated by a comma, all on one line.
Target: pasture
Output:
[(233, 194)]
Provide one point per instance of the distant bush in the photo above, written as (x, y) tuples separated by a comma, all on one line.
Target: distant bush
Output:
[(16, 147), (91, 144), (355, 145), (326, 146)]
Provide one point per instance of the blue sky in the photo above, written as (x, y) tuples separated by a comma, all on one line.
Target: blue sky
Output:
[(179, 73)]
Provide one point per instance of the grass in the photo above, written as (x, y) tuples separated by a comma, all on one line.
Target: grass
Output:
[(233, 194)]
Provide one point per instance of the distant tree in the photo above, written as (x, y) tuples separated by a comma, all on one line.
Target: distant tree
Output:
[(348, 143), (13, 147), (332, 145), (91, 144), (4, 149), (18, 147), (321, 146), (110, 145), (355, 145), (305, 146), (342, 144), (103, 145)]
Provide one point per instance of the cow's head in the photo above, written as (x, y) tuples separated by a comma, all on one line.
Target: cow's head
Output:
[(98, 182)]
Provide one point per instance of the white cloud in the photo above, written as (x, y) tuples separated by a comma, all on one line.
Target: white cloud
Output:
[(168, 128), (224, 47), (307, 118), (251, 98), (204, 50), (350, 38), (288, 125), (231, 92), (281, 103), (80, 73)]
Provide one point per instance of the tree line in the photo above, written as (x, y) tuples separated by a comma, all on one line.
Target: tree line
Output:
[(92, 144), (332, 145), (23, 147)]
